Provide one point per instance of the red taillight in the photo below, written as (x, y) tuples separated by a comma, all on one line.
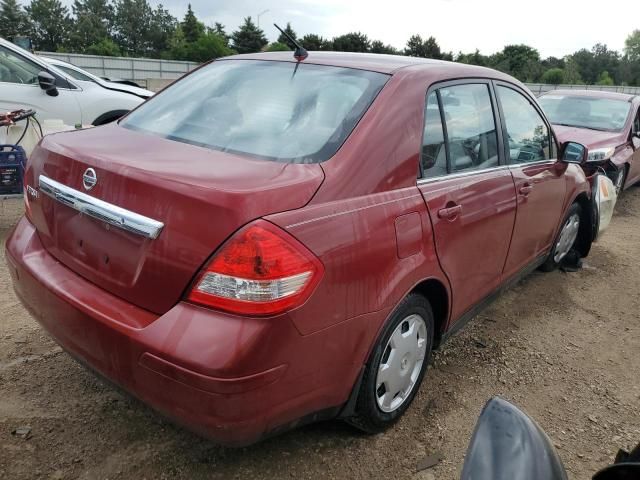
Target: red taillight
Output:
[(261, 270)]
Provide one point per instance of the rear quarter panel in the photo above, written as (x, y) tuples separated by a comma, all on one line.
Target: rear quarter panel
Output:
[(368, 223), (357, 242)]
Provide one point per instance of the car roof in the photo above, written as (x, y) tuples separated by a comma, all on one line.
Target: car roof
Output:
[(592, 93), (381, 63)]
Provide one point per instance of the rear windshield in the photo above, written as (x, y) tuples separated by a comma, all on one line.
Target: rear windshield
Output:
[(287, 112), (586, 112)]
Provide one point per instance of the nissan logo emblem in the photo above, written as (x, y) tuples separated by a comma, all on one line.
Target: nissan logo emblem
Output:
[(89, 179)]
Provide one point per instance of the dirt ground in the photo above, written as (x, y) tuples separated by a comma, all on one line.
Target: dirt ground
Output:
[(563, 346)]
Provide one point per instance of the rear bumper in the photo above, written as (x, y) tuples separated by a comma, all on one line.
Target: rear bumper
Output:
[(232, 379)]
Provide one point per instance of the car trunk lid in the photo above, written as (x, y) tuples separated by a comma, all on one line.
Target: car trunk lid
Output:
[(199, 197)]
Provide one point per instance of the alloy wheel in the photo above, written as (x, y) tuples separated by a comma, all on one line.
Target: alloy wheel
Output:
[(567, 237)]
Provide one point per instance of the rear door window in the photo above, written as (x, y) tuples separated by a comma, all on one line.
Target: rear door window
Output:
[(434, 153), (529, 138), (460, 131), (282, 111)]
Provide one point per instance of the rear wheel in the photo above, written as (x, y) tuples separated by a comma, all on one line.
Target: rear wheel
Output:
[(396, 367), (566, 239)]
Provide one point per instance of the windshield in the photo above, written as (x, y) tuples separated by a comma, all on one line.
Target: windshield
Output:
[(74, 73), (288, 112), (586, 112)]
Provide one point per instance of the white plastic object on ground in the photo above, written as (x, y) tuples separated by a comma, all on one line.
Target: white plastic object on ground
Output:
[(606, 198)]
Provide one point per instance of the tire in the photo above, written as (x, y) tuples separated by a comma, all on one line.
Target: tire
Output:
[(369, 415), (551, 263)]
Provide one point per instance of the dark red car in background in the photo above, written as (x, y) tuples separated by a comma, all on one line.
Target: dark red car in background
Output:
[(269, 242), (607, 123)]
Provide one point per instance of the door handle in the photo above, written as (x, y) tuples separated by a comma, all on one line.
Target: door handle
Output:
[(450, 213), (525, 189)]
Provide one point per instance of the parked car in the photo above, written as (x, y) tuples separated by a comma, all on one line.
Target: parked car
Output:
[(81, 75), (607, 123), (269, 242), (27, 81)]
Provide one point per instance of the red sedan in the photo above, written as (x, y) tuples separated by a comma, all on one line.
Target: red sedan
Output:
[(607, 123), (269, 242)]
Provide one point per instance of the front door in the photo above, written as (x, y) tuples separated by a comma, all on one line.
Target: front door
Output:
[(538, 177), (468, 192), (19, 88)]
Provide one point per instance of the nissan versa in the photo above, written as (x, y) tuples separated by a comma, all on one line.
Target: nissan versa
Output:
[(269, 242)]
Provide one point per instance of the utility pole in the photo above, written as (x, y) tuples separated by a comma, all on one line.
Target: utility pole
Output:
[(260, 14)]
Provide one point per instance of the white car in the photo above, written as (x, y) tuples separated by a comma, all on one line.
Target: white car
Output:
[(27, 81), (81, 75)]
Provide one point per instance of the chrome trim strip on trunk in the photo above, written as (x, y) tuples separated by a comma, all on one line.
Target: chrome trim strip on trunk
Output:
[(101, 210)]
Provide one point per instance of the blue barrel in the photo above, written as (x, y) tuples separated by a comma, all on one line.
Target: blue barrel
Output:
[(13, 160)]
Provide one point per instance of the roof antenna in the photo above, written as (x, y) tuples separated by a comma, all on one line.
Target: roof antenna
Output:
[(300, 53)]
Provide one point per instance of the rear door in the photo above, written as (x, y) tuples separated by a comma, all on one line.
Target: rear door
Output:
[(531, 151), (19, 88), (468, 191)]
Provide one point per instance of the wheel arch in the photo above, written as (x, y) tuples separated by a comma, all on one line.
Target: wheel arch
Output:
[(585, 236), (438, 297)]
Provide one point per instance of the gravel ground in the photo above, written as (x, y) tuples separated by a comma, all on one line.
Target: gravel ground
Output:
[(562, 346)]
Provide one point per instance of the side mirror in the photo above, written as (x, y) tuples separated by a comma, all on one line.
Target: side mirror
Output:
[(48, 83), (507, 444), (572, 152)]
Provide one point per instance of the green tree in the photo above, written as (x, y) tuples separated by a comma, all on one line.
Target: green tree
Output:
[(553, 76), (282, 38), (632, 46), (133, 20), (379, 47), (191, 26), (315, 42), (475, 58), (552, 62), (606, 59), (604, 79), (177, 48), (521, 61), (161, 27), (352, 42), (248, 38), (50, 24), (105, 47), (219, 30), (92, 24), (572, 72), (208, 47), (584, 61), (278, 47), (429, 48), (13, 20)]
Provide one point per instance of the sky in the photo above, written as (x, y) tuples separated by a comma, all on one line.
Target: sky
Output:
[(554, 27)]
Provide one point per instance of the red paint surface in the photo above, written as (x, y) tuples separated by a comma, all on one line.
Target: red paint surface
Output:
[(361, 214)]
